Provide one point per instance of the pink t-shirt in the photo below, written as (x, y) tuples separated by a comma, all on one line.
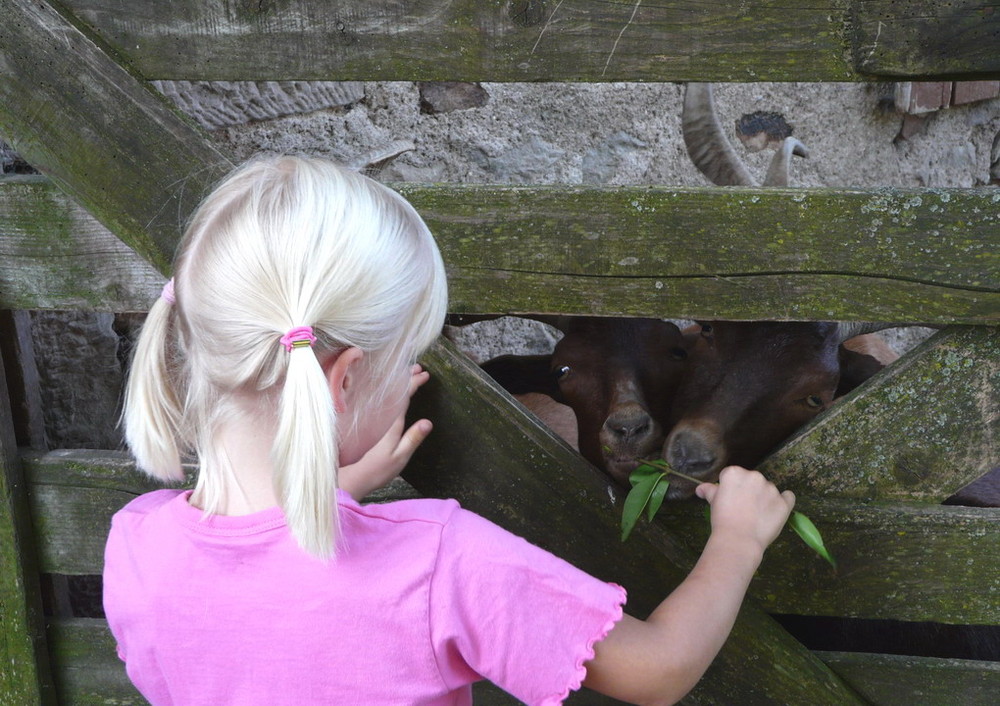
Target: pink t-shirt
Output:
[(423, 599)]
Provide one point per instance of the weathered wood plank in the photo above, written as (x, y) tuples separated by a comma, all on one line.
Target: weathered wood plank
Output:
[(74, 492), (907, 562), (55, 255), (921, 429), (897, 561), (88, 671), (102, 135), (499, 463), (913, 255), (534, 40), (889, 680), (24, 662), (949, 39)]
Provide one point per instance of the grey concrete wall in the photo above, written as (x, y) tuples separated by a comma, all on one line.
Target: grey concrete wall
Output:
[(629, 133)]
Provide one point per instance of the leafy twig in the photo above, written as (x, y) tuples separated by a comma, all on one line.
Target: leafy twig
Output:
[(649, 488)]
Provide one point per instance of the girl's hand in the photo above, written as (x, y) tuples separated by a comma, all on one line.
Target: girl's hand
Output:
[(389, 456), (747, 505)]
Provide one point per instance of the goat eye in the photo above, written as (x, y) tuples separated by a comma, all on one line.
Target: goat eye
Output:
[(706, 328), (678, 353), (814, 401), (561, 372)]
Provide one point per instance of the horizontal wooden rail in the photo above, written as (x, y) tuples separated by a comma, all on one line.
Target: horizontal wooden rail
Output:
[(891, 680), (580, 40), (900, 561), (86, 667), (88, 671), (906, 255)]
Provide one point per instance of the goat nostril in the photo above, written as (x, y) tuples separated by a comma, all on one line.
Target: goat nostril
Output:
[(629, 430), (689, 455)]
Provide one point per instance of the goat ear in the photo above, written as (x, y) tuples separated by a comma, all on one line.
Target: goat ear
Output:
[(848, 330), (523, 373), (707, 145), (855, 368)]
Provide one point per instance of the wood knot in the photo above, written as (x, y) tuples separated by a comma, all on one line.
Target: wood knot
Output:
[(527, 13)]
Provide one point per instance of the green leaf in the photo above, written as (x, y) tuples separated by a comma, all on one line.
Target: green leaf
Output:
[(642, 472), (637, 499), (805, 528), (657, 496)]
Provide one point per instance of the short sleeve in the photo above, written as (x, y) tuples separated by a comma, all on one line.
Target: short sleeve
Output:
[(507, 611)]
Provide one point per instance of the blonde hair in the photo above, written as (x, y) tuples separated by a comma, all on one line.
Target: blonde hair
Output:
[(281, 243)]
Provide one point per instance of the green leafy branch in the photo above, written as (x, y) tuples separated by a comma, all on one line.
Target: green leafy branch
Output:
[(650, 482)]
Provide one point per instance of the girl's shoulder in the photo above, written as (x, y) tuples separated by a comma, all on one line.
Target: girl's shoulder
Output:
[(151, 501), (419, 510)]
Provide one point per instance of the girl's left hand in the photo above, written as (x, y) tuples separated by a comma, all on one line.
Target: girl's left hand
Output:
[(389, 456)]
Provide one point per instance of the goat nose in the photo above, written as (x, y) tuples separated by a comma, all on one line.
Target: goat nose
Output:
[(629, 427), (688, 453)]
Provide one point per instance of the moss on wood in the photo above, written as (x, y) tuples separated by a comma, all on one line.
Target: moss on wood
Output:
[(898, 561), (586, 40), (114, 144), (892, 680), (906, 255), (921, 429), (24, 663), (54, 255), (955, 39)]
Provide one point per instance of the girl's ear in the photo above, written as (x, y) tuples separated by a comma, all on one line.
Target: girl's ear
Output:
[(341, 373)]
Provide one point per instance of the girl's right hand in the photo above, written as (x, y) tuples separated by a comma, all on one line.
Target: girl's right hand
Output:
[(747, 505), (384, 461)]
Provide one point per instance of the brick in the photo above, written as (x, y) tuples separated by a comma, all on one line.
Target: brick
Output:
[(972, 91)]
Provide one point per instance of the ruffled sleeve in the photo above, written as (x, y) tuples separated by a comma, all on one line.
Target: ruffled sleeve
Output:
[(507, 611)]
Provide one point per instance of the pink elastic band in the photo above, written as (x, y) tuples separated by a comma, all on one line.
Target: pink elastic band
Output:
[(298, 337), (168, 292)]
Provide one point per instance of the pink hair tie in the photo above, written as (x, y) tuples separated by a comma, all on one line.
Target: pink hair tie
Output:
[(298, 337), (168, 292)]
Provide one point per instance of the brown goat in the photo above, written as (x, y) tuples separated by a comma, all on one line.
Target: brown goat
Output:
[(750, 387), (617, 375)]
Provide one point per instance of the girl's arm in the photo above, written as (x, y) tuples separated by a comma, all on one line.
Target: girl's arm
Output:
[(657, 661)]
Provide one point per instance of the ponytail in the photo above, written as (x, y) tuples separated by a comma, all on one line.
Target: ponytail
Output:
[(304, 453), (152, 411), (281, 242)]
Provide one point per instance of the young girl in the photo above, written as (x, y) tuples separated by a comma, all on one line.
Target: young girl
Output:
[(281, 355)]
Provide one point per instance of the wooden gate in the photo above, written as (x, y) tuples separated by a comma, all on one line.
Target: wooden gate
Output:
[(122, 170)]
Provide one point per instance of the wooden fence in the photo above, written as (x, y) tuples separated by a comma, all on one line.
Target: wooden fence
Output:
[(122, 169)]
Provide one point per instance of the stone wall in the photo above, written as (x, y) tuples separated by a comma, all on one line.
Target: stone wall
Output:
[(620, 133)]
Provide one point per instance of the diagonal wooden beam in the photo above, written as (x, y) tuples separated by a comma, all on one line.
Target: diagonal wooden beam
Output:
[(499, 463), (98, 131), (921, 429)]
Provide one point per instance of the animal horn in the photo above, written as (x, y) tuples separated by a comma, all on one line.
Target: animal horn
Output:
[(850, 329), (777, 172), (706, 144)]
